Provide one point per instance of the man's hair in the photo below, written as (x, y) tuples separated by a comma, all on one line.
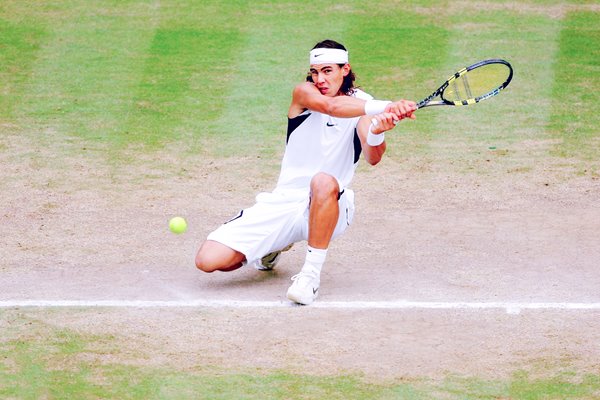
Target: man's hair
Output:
[(348, 83)]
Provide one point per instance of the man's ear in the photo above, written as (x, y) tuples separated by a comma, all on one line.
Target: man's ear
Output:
[(346, 69)]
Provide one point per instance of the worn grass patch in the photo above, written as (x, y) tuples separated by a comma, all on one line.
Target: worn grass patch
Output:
[(38, 360)]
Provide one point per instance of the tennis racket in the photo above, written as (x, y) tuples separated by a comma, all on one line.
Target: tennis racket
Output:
[(472, 84)]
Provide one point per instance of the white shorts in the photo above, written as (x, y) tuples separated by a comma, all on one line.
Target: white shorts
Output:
[(275, 221)]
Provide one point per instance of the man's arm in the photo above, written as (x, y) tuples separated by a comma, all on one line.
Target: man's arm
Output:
[(307, 96), (385, 122)]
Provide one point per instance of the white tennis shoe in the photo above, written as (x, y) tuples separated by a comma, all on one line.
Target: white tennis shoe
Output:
[(268, 262), (305, 288)]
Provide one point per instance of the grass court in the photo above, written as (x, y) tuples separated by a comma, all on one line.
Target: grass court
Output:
[(122, 113)]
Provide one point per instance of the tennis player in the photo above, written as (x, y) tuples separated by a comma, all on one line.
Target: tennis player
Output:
[(330, 123)]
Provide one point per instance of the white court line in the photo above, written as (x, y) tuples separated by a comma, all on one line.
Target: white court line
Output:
[(509, 307)]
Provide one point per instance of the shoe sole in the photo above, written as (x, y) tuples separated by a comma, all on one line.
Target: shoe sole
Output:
[(300, 300), (262, 268)]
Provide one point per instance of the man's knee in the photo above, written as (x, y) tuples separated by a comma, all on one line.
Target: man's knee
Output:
[(324, 185), (214, 256), (205, 261), (208, 258)]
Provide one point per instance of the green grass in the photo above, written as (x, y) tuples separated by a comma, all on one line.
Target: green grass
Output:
[(19, 44), (215, 77), (111, 82), (575, 119), (41, 361)]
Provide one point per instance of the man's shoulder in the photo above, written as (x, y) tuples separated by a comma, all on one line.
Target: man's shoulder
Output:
[(360, 94), (305, 86)]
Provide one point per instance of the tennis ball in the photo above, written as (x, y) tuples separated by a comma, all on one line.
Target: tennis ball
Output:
[(177, 225)]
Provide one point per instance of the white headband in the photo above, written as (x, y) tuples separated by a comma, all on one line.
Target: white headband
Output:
[(328, 56)]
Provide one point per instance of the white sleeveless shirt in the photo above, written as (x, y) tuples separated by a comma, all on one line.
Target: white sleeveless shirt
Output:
[(320, 143)]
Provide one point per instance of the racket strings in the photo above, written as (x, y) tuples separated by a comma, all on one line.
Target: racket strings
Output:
[(477, 82), (465, 81)]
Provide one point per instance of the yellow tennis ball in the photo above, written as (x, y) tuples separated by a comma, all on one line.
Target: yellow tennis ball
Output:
[(177, 225)]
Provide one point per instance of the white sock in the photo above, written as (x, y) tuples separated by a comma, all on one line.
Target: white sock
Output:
[(315, 258)]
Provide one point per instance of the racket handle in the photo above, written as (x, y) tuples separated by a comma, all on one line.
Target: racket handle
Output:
[(375, 123)]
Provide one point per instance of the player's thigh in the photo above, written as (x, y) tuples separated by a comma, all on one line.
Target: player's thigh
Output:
[(260, 229)]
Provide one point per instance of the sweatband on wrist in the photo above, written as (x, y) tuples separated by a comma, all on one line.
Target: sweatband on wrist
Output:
[(373, 107), (373, 139)]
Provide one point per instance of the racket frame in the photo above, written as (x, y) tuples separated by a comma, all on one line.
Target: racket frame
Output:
[(428, 101)]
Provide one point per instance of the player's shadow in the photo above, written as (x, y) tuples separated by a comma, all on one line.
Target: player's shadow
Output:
[(243, 277), (247, 280)]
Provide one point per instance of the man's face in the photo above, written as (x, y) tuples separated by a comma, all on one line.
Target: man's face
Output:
[(328, 78)]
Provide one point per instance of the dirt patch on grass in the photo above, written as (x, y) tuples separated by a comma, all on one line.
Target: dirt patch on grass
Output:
[(76, 227), (378, 345)]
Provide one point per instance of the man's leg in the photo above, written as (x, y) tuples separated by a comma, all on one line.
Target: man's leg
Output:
[(215, 256), (324, 210), (322, 220)]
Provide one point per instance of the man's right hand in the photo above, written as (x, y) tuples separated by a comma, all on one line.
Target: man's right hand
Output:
[(402, 109), (383, 122)]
